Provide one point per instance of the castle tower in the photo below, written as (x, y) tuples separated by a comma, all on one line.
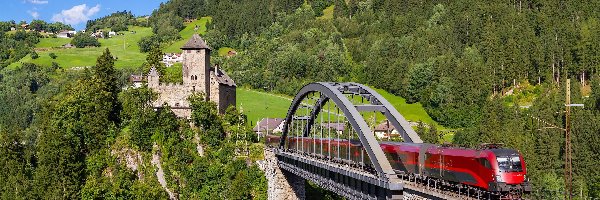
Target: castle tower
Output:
[(196, 65), (153, 78)]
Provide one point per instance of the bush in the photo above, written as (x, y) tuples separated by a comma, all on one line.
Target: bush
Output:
[(148, 43), (84, 40), (53, 55), (34, 55)]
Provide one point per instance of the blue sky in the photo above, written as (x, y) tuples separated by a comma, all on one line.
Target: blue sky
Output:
[(74, 12)]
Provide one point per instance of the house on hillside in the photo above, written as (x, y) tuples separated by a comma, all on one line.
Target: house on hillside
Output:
[(66, 34), (98, 34), (25, 26), (231, 53), (68, 46), (170, 58), (13, 29), (385, 130), (136, 80), (334, 127), (110, 34), (268, 125)]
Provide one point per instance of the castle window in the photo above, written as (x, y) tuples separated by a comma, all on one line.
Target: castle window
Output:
[(194, 88), (195, 77), (192, 77), (197, 51), (176, 104)]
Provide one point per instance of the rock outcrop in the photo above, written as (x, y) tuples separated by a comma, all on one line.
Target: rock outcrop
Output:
[(281, 184)]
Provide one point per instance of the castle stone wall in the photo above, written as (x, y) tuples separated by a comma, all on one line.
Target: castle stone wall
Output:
[(227, 97), (175, 95), (214, 91)]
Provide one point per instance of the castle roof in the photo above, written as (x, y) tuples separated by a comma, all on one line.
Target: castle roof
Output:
[(196, 42), (153, 72), (221, 77)]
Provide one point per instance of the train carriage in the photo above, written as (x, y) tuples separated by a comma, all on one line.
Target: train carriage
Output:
[(489, 168)]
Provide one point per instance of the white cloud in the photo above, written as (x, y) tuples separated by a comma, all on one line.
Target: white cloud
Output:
[(37, 1), (34, 14), (76, 14)]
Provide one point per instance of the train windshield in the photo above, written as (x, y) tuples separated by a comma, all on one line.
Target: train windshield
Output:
[(510, 163)]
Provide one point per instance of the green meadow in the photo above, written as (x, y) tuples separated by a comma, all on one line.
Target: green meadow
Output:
[(52, 42), (123, 47), (327, 13), (257, 105), (187, 33)]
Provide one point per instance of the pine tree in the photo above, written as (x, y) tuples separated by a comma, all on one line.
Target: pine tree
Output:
[(154, 59), (106, 76)]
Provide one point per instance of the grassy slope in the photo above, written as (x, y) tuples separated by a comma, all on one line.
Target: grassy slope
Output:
[(257, 105), (52, 42), (224, 50), (128, 57), (187, 33), (327, 13), (413, 112)]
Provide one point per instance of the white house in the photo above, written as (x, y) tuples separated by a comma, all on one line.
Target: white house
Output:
[(170, 58), (110, 34), (269, 125), (386, 130), (66, 34)]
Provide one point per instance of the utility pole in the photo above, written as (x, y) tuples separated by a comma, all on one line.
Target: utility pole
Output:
[(568, 166), (568, 146)]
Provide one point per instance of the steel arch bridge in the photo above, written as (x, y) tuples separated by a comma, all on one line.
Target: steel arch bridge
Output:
[(337, 92), (368, 176), (329, 138)]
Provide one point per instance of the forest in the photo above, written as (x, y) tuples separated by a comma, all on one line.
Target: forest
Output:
[(117, 21), (16, 46)]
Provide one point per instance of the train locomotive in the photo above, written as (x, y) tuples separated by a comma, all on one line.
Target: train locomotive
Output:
[(490, 168)]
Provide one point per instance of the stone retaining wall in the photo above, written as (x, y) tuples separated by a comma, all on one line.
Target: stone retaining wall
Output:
[(281, 184)]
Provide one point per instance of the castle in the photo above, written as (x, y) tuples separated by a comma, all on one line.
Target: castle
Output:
[(198, 77)]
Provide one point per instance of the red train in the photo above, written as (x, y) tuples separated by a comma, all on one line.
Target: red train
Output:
[(491, 168)]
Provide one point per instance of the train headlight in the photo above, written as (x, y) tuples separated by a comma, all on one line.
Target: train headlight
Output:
[(499, 178)]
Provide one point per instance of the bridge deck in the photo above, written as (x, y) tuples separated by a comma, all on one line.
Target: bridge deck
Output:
[(354, 183)]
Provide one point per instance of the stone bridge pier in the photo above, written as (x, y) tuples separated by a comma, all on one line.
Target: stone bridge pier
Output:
[(281, 184)]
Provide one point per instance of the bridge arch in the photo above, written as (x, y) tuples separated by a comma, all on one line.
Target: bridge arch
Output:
[(337, 92)]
